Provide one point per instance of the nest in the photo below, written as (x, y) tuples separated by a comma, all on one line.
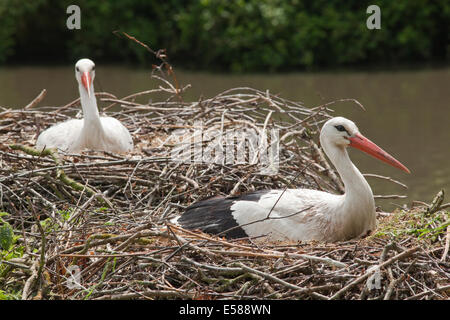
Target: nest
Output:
[(97, 225)]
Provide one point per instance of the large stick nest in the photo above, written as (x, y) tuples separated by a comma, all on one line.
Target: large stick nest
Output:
[(107, 215)]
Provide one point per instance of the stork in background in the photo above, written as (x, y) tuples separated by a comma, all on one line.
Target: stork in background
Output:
[(92, 132), (300, 214)]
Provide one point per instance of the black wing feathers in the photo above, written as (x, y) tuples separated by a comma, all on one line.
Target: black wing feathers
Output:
[(214, 215)]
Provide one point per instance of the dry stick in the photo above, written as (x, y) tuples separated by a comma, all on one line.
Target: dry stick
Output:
[(81, 165), (288, 285), (22, 157), (188, 243), (385, 178), (139, 106), (263, 135), (43, 239), (265, 253), (341, 100), (393, 283), (447, 245), (131, 176), (269, 277), (390, 246), (74, 215), (390, 196), (360, 279), (36, 100), (30, 280), (99, 264), (313, 291), (209, 238), (161, 294), (319, 111), (235, 189), (172, 268), (248, 254), (189, 180), (60, 174), (160, 54), (47, 203), (101, 239), (132, 96), (38, 265), (326, 260), (436, 203), (15, 265), (434, 291), (229, 271), (423, 285)]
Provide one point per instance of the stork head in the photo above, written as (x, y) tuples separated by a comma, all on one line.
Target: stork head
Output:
[(85, 74), (342, 133), (337, 131)]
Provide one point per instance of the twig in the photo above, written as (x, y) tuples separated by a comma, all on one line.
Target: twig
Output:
[(36, 100), (360, 279), (60, 174), (385, 178), (447, 245), (394, 283)]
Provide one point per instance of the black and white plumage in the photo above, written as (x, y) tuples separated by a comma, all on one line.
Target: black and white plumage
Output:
[(214, 215), (300, 214)]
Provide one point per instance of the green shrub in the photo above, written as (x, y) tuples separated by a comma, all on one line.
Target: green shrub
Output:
[(252, 35)]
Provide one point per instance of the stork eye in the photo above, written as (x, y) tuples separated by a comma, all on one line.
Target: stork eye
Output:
[(340, 128), (93, 68), (76, 68)]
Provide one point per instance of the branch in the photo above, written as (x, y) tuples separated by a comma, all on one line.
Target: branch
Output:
[(60, 174)]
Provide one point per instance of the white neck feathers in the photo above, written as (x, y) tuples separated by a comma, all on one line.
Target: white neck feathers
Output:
[(356, 212), (89, 106)]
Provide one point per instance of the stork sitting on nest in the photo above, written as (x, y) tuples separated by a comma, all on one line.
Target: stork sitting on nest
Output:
[(300, 214), (92, 132)]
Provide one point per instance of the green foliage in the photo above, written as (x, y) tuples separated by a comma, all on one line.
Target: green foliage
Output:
[(416, 222), (9, 296), (9, 249), (65, 214), (242, 35), (19, 21), (3, 214), (6, 236)]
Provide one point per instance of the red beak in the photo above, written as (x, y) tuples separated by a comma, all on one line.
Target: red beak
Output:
[(362, 143), (86, 81)]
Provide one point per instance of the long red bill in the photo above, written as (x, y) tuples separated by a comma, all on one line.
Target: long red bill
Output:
[(86, 81), (362, 143)]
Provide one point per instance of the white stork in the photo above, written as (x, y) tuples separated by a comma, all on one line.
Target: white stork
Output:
[(300, 214), (92, 132)]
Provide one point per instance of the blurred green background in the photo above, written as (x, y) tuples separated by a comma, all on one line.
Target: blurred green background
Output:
[(238, 36)]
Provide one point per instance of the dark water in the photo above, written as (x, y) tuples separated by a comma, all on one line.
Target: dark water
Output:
[(407, 112)]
